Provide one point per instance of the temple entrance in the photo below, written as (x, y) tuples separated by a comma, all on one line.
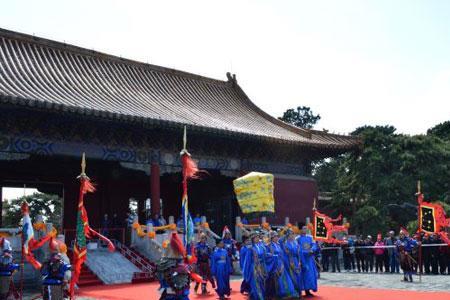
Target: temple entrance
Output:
[(212, 196)]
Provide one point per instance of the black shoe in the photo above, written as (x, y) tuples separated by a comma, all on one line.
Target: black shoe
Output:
[(308, 294)]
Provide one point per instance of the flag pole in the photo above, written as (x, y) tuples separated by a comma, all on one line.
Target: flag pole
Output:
[(22, 259), (420, 236)]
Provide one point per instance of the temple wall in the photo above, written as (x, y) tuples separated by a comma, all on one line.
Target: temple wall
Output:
[(293, 198)]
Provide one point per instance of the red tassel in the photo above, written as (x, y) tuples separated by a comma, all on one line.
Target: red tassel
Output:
[(30, 258), (190, 168), (197, 278), (87, 186), (177, 244), (76, 274), (103, 238)]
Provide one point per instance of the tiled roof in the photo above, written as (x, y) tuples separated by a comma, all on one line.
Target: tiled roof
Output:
[(46, 74)]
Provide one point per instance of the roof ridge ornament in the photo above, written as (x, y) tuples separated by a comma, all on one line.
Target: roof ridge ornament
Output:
[(232, 79)]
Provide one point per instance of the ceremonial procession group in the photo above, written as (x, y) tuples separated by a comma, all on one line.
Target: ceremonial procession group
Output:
[(274, 264)]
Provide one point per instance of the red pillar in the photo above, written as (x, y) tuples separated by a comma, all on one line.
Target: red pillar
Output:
[(155, 188)]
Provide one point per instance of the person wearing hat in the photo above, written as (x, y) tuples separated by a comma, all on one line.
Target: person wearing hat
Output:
[(173, 274), (308, 249), (405, 246), (279, 284), (292, 260), (54, 285), (246, 245), (203, 253), (220, 268), (7, 269), (230, 245), (255, 272)]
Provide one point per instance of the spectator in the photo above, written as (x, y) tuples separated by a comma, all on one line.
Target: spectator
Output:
[(155, 220), (105, 225), (379, 254), (351, 244), (394, 263), (369, 254), (434, 251), (325, 256), (346, 255), (116, 226), (426, 254), (334, 255), (197, 220), (162, 221), (244, 221), (360, 254)]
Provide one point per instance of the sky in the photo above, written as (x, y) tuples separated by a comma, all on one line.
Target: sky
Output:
[(354, 62), (9, 193)]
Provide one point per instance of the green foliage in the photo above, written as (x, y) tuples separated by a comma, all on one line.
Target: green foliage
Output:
[(49, 206), (301, 117), (441, 130), (379, 182)]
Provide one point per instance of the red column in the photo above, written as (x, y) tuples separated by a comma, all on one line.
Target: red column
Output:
[(155, 188)]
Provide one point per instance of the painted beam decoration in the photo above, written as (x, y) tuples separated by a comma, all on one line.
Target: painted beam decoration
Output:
[(254, 193)]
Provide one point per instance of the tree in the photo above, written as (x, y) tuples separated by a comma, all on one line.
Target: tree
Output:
[(301, 117), (441, 130), (49, 206), (379, 182)]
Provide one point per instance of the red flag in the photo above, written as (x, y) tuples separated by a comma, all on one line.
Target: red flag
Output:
[(83, 229)]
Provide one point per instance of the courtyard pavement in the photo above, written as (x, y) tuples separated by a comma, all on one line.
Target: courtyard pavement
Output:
[(386, 281)]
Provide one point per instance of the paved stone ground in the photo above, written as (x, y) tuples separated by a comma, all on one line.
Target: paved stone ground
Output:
[(371, 280), (386, 281)]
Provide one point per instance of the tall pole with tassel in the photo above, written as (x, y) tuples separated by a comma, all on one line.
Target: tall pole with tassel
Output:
[(418, 194)]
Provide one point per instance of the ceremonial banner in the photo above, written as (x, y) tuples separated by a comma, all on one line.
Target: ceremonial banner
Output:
[(320, 231), (83, 230), (254, 193), (324, 230), (190, 171), (432, 218)]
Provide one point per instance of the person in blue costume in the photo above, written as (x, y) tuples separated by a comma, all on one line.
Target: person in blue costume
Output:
[(203, 253), (230, 246), (220, 268), (7, 269), (246, 245), (292, 260), (405, 246), (309, 271), (54, 277), (279, 284), (254, 271), (173, 274)]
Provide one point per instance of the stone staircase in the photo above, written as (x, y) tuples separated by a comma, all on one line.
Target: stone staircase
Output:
[(147, 268), (88, 278)]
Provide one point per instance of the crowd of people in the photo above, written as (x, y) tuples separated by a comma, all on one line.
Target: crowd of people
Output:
[(382, 255), (274, 264)]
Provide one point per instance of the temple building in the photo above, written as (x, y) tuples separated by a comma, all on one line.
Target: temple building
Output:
[(58, 101)]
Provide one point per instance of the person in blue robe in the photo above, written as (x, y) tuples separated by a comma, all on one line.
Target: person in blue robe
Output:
[(246, 245), (405, 246), (230, 246), (309, 270), (292, 260), (279, 284), (254, 271), (203, 253), (220, 268)]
